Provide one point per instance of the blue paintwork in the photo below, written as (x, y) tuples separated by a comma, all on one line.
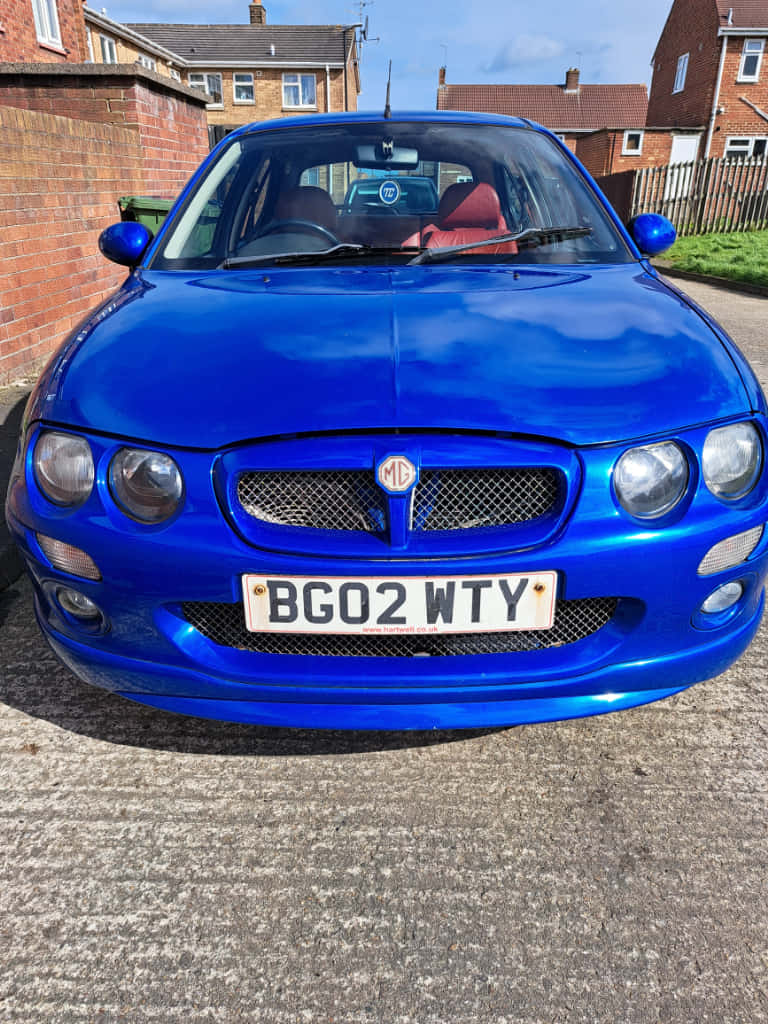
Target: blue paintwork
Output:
[(125, 243), (610, 348), (653, 233), (481, 365)]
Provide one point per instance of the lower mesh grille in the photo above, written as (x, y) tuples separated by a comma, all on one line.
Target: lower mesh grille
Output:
[(224, 624)]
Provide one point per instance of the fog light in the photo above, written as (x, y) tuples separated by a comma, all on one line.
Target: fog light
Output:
[(723, 598), (78, 605), (67, 558)]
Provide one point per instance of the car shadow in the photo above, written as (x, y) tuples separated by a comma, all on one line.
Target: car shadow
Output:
[(35, 683)]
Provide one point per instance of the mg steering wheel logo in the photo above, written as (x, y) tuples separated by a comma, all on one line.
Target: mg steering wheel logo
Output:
[(396, 474)]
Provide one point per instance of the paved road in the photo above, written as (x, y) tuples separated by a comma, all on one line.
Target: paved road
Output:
[(154, 868)]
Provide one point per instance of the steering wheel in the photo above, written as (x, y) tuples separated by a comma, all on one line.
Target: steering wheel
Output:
[(278, 226)]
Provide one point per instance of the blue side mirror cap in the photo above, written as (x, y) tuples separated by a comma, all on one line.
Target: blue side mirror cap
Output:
[(125, 243), (652, 233)]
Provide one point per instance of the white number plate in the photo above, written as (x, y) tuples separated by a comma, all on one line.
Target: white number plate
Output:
[(411, 604)]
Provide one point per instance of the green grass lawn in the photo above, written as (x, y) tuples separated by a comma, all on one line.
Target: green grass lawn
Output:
[(742, 256)]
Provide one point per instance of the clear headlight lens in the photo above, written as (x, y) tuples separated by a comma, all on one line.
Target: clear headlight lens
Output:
[(63, 466), (731, 460), (650, 480), (147, 485)]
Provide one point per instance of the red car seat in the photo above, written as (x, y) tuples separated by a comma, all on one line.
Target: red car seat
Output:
[(469, 212)]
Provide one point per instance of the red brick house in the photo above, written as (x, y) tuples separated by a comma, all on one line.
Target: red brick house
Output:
[(710, 76), (42, 31), (570, 110)]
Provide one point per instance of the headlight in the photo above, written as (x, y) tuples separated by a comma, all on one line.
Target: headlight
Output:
[(650, 481), (731, 460), (147, 485), (63, 467)]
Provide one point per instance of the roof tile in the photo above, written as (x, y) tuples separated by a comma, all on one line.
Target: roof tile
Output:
[(592, 107), (213, 44)]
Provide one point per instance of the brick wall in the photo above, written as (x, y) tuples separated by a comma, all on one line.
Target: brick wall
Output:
[(19, 42), (60, 179), (600, 152), (738, 118), (690, 28), (268, 95)]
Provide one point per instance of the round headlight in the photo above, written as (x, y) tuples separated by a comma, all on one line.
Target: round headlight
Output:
[(731, 460), (650, 480), (147, 485), (63, 467)]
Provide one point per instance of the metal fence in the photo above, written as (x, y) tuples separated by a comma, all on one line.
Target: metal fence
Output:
[(722, 195)]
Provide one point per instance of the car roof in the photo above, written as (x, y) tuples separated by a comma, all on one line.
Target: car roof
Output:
[(371, 117)]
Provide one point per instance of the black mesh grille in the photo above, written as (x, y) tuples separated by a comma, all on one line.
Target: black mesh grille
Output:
[(464, 499), (338, 500), (224, 624), (445, 499)]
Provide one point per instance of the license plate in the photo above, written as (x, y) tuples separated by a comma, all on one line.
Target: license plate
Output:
[(410, 604)]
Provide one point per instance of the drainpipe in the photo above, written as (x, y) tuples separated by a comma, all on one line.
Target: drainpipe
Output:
[(716, 100), (327, 89)]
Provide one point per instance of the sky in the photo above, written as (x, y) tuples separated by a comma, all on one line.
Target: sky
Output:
[(479, 41)]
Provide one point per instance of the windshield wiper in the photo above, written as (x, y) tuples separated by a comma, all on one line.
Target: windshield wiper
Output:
[(343, 249), (531, 238)]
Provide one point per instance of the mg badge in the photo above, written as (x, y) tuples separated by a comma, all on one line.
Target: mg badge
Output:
[(396, 474)]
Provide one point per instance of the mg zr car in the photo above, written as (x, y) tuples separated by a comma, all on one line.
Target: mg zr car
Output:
[(327, 464)]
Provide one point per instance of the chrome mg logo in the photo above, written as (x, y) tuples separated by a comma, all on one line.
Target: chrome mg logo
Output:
[(396, 474)]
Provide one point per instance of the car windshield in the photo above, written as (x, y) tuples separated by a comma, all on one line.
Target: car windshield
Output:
[(386, 191)]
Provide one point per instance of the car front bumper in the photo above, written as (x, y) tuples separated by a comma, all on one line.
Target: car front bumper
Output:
[(656, 642)]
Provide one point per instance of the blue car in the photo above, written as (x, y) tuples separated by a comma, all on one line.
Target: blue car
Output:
[(476, 466)]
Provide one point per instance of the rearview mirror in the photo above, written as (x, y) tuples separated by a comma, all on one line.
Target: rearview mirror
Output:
[(386, 156), (125, 243), (652, 233)]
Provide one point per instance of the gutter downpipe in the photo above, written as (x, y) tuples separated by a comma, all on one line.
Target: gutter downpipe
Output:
[(716, 99), (327, 89)]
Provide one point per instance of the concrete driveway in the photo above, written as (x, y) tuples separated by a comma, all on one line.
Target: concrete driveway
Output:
[(154, 868)]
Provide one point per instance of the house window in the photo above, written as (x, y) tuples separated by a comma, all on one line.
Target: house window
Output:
[(46, 22), (746, 146), (108, 50), (751, 58), (299, 91), (89, 41), (147, 62), (211, 86), (243, 88), (174, 74), (633, 144), (682, 69)]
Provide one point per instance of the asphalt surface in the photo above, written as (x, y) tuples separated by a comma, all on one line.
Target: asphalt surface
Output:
[(155, 868)]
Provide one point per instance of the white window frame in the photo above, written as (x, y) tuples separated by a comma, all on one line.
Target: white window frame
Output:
[(205, 85), (626, 150), (745, 151), (681, 73), (89, 42), (292, 80), (147, 62), (752, 48), (174, 74), (46, 22), (107, 49), (250, 82)]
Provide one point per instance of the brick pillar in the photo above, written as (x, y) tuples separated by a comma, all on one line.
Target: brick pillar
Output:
[(572, 80), (257, 12)]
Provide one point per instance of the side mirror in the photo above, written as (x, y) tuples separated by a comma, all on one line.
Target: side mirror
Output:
[(652, 233), (125, 243)]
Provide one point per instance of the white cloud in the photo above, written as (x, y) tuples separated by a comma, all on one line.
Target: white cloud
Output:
[(525, 49)]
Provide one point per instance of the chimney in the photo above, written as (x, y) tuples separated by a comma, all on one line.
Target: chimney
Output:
[(441, 77), (572, 80), (257, 12)]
